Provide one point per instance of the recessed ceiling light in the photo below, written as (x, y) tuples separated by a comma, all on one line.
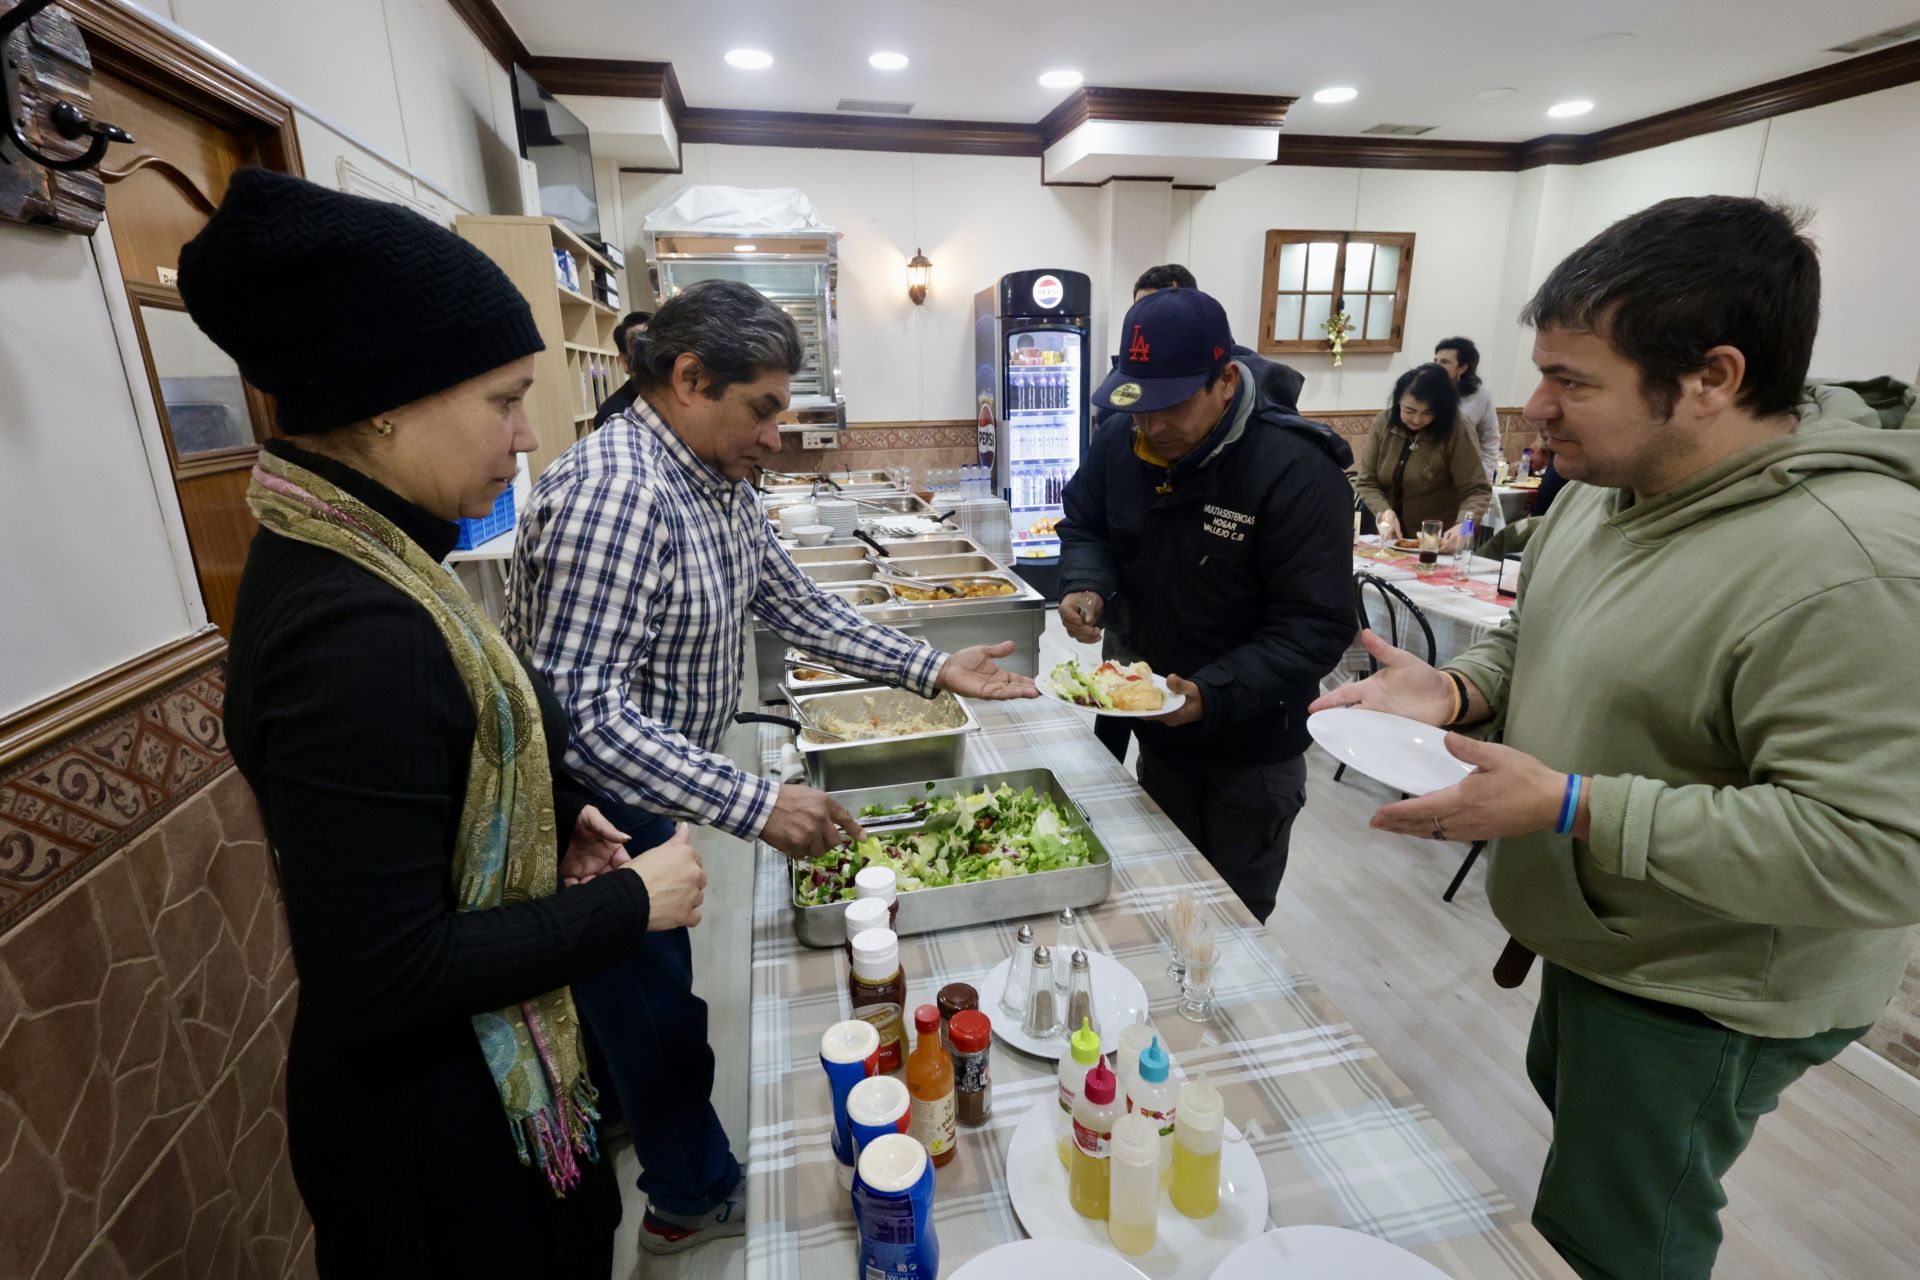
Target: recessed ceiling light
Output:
[(746, 248), (1487, 95), (887, 61), (1061, 79), (1340, 93), (749, 59), (1561, 110)]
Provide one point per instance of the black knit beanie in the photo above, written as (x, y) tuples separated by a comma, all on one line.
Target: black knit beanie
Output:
[(341, 307)]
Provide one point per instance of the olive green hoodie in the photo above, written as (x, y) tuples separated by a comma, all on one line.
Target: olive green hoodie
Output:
[(1735, 665)]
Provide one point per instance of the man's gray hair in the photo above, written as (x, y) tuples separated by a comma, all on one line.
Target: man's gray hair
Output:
[(734, 331)]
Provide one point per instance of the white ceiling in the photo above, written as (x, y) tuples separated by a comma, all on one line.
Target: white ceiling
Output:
[(1413, 62)]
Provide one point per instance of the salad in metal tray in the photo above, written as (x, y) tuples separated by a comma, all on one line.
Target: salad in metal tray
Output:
[(992, 834)]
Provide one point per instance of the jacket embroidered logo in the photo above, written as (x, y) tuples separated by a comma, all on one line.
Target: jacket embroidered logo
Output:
[(1137, 350)]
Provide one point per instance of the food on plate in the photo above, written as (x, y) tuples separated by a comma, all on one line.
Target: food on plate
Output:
[(1108, 687), (1407, 544), (999, 833), (956, 589)]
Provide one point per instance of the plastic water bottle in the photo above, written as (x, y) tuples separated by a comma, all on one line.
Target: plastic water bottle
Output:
[(1463, 558)]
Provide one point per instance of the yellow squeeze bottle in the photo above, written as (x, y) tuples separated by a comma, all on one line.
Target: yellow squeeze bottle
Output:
[(1088, 1186), (1083, 1050), (1197, 1130)]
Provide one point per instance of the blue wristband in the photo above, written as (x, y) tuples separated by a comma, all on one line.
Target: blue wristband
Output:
[(1570, 808)]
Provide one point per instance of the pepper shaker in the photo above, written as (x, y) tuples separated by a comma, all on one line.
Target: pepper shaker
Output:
[(1066, 941), (1043, 1013), (1080, 994), (1013, 1001)]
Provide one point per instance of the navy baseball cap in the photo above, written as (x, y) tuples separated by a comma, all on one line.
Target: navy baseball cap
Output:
[(1169, 343)]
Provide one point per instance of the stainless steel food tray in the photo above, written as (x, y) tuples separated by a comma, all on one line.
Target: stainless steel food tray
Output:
[(957, 906), (794, 687), (878, 762)]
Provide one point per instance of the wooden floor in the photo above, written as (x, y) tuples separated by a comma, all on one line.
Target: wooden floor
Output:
[(1830, 1189)]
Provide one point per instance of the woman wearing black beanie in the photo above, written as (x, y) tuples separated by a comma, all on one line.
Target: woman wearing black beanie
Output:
[(440, 1118)]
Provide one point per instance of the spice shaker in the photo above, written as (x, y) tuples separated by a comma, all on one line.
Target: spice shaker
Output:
[(1013, 1001), (1080, 994), (1066, 940), (954, 998), (1043, 1014), (972, 1037)]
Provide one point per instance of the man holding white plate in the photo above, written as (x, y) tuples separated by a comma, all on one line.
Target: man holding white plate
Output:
[(1702, 812)]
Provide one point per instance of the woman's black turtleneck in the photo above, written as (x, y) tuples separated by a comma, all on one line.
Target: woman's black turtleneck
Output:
[(346, 716)]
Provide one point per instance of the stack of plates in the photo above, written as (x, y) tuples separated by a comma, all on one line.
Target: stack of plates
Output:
[(839, 515)]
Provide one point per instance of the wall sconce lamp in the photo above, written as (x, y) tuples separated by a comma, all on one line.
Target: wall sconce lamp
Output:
[(919, 277)]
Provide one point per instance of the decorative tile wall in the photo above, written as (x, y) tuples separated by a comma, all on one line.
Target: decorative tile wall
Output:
[(146, 997)]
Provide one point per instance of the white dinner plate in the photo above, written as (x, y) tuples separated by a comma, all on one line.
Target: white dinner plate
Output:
[(1047, 1260), (1118, 999), (1323, 1253), (1405, 754), (1188, 1248), (1173, 703)]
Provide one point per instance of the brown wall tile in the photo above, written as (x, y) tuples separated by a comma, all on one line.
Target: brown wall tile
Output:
[(183, 1221)]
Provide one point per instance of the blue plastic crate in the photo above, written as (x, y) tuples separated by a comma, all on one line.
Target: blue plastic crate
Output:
[(489, 526)]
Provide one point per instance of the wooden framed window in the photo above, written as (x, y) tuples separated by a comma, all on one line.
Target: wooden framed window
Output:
[(1312, 274)]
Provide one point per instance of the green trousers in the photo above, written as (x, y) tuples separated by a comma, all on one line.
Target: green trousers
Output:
[(1652, 1104)]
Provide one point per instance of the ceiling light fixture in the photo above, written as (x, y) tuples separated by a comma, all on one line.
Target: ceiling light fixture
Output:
[(1488, 95), (887, 61), (1340, 93), (1061, 79), (746, 248), (749, 59), (1561, 110)]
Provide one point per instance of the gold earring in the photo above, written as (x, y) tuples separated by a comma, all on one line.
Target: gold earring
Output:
[(384, 427)]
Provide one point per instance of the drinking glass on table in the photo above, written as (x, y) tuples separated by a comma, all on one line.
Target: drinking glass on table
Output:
[(1430, 531), (1196, 988)]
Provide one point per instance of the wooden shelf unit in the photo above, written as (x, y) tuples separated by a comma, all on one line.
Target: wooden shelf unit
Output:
[(580, 366)]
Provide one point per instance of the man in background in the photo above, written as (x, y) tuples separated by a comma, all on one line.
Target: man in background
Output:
[(622, 399)]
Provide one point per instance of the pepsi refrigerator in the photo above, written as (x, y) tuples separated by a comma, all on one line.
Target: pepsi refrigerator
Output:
[(1031, 360)]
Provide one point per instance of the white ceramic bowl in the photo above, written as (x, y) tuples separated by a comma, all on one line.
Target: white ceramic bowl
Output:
[(797, 516), (811, 535)]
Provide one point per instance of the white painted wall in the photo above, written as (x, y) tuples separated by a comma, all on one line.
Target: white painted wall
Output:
[(406, 76), (91, 579)]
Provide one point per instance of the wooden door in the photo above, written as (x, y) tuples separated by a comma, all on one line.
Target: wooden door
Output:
[(160, 191)]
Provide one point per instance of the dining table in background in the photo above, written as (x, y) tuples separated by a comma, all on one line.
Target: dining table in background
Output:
[(1460, 611)]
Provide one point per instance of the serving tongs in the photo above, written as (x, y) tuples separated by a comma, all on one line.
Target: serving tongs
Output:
[(920, 818), (798, 722), (907, 578)]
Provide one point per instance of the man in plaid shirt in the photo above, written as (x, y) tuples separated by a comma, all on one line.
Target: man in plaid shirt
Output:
[(640, 556)]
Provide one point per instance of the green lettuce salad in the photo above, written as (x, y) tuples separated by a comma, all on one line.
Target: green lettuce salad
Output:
[(999, 833)]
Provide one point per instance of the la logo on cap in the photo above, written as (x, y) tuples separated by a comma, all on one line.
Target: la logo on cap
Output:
[(1137, 350)]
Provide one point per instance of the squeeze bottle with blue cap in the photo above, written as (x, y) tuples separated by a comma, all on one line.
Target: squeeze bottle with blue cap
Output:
[(849, 1053), (893, 1207), (1155, 1097), (1083, 1050)]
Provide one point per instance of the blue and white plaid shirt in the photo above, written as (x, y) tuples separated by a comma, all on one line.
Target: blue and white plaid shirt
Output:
[(633, 574)]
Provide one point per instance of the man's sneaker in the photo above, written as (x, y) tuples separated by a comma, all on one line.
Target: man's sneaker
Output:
[(662, 1232)]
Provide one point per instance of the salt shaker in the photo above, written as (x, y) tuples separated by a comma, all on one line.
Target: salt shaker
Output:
[(1013, 1000), (1043, 1012), (1066, 941), (1080, 994)]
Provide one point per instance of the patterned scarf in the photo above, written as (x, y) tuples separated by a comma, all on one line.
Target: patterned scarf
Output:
[(504, 852)]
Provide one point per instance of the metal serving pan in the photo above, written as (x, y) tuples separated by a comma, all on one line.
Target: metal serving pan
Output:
[(878, 762), (862, 596), (842, 554), (794, 687), (929, 566), (957, 906), (958, 580)]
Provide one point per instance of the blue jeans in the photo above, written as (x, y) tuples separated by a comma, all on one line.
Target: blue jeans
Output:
[(648, 1041)]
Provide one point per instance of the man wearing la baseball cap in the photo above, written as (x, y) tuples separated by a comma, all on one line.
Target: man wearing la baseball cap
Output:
[(1213, 525)]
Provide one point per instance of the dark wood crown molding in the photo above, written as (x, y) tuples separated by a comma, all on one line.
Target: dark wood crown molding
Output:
[(128, 44), (858, 133), (495, 32), (1162, 106), (610, 78), (1327, 151)]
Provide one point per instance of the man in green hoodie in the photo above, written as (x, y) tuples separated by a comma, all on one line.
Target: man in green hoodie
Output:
[(1702, 812)]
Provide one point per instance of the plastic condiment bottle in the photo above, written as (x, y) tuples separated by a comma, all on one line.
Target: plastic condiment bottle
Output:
[(1093, 1118), (849, 1053), (877, 989), (893, 1208), (1196, 1150), (930, 1081), (878, 882), (864, 914), (1134, 1037), (1133, 1209), (1083, 1050), (1155, 1098)]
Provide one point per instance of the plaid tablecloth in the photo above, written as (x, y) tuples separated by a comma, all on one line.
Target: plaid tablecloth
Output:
[(1341, 1139)]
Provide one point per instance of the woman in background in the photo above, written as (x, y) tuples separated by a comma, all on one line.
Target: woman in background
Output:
[(1461, 359), (1421, 461)]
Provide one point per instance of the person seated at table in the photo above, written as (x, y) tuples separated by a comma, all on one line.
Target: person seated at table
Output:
[(440, 1113), (1421, 461), (1551, 481), (1461, 359)]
